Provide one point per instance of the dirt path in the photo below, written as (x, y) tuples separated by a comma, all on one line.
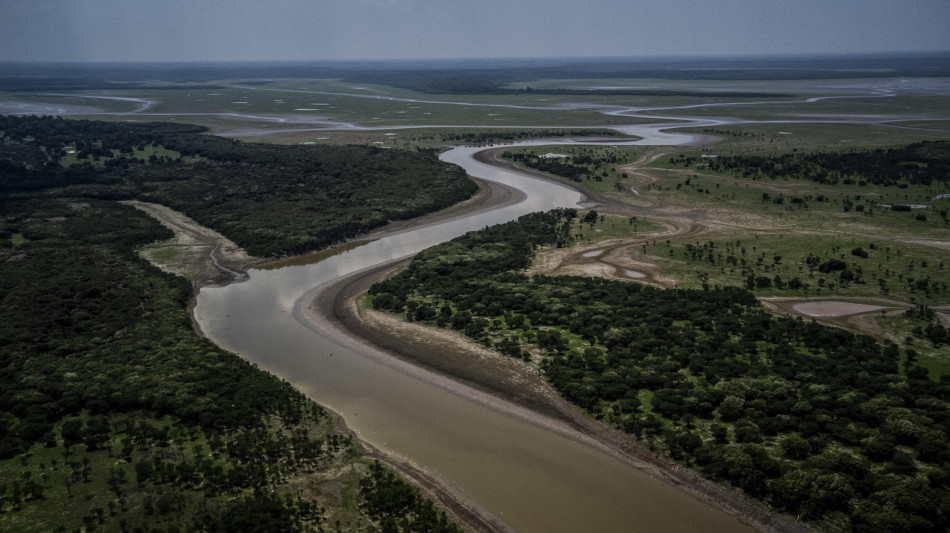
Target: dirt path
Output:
[(617, 258), (855, 314)]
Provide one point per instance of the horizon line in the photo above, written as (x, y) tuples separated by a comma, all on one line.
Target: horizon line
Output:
[(645, 58)]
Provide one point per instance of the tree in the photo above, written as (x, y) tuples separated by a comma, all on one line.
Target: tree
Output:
[(796, 447)]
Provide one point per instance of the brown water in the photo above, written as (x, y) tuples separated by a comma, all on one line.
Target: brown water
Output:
[(537, 477)]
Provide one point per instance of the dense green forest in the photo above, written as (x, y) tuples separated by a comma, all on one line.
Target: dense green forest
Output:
[(577, 167), (917, 164), (271, 200), (115, 415), (817, 422)]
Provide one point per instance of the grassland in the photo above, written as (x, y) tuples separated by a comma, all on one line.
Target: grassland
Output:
[(280, 104), (772, 235), (613, 227)]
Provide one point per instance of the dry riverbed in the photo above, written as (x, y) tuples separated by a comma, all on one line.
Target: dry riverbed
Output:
[(208, 258)]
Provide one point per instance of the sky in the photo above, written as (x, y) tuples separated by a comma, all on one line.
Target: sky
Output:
[(318, 30)]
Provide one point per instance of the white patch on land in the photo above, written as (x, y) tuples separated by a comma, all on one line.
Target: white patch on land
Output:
[(833, 309)]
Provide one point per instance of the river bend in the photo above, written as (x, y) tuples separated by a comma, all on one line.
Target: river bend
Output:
[(532, 477)]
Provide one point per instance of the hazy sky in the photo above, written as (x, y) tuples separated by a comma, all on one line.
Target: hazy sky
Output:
[(198, 30)]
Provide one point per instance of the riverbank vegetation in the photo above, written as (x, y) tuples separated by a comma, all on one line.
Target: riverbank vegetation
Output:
[(271, 200), (815, 421), (115, 415), (581, 164), (917, 164), (597, 168)]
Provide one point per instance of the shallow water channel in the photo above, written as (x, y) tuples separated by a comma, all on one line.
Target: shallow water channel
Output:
[(533, 477)]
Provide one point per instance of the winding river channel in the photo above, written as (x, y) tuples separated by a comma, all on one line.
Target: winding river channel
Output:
[(535, 475)]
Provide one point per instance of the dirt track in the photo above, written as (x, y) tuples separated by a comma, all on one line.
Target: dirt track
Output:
[(195, 252)]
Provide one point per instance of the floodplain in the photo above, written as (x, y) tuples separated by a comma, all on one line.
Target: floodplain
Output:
[(664, 217)]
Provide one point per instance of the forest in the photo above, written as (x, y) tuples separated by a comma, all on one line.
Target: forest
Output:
[(115, 414), (254, 193), (577, 167), (814, 421), (916, 164)]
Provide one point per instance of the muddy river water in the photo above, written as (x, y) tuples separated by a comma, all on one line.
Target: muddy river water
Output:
[(534, 476)]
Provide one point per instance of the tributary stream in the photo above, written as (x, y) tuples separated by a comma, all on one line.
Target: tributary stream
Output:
[(533, 477)]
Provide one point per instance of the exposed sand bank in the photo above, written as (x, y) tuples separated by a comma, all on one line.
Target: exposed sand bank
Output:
[(198, 253)]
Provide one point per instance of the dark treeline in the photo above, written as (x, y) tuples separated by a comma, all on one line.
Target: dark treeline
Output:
[(552, 165), (815, 421), (271, 200), (575, 168), (398, 507), (916, 164), (931, 329)]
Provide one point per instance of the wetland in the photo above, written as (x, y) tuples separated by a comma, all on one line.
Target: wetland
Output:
[(495, 438)]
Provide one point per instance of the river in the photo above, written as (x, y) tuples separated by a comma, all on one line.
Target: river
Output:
[(536, 477)]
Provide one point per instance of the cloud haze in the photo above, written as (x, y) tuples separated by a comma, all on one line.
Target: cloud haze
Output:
[(235, 30)]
